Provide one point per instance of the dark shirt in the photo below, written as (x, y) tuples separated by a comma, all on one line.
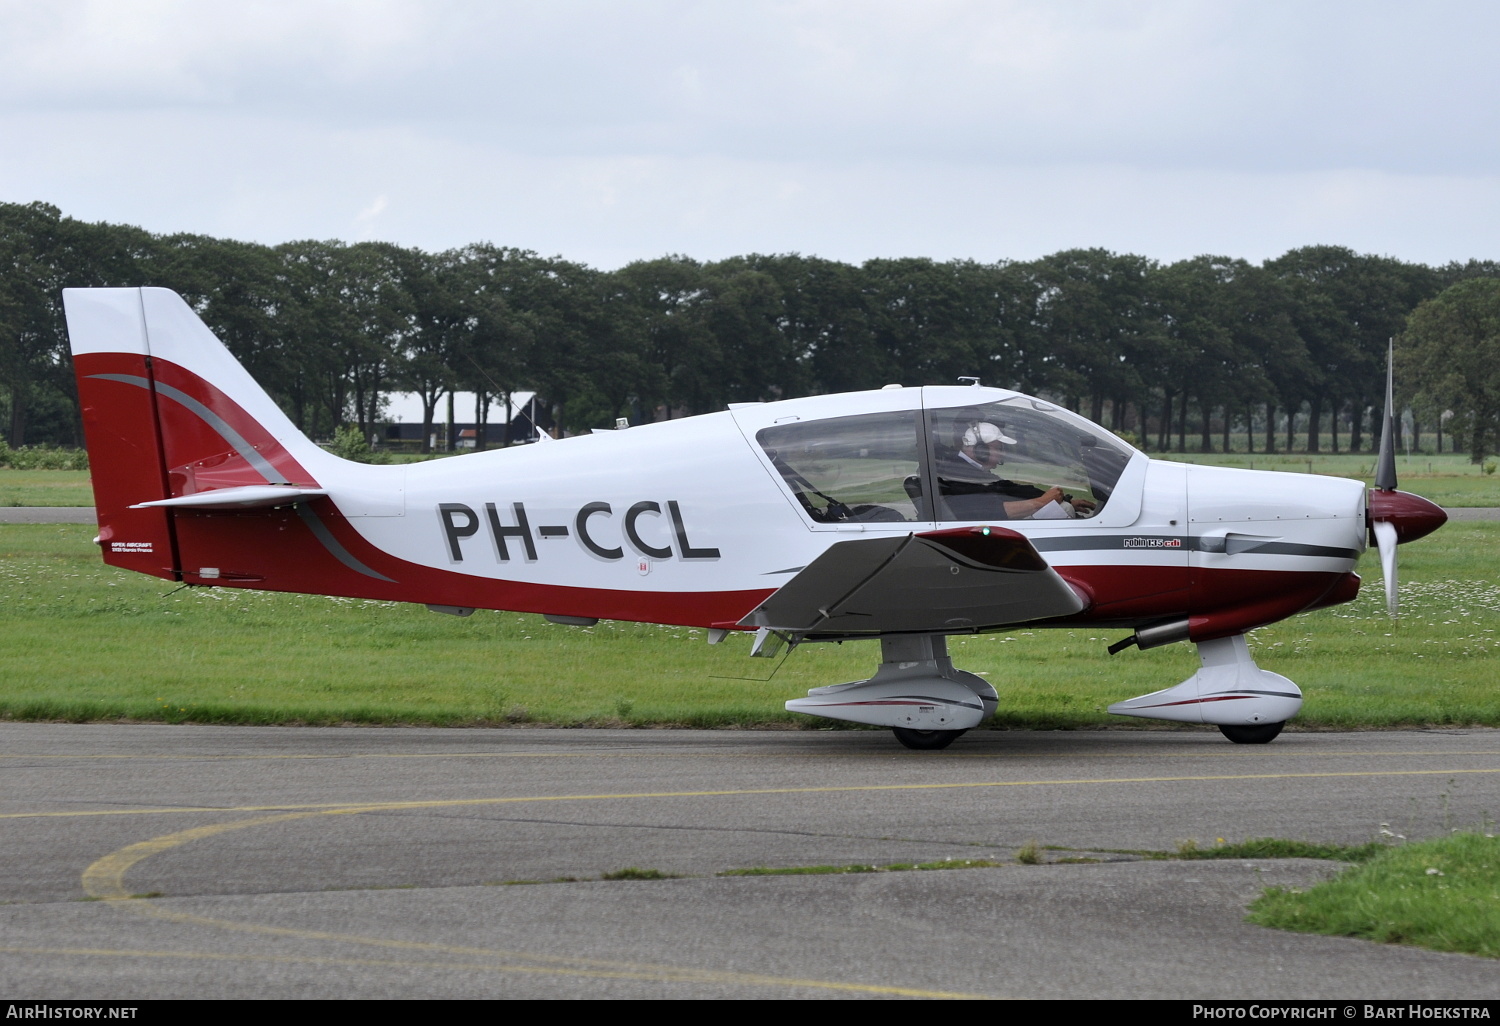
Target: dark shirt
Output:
[(972, 493)]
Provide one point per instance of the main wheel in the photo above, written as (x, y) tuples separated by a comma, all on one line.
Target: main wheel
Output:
[(928, 740), (1252, 734)]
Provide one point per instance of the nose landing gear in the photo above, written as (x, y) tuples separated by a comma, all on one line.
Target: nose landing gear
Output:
[(1248, 705), (1254, 734)]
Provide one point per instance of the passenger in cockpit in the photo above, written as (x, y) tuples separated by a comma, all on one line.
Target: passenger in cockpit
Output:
[(972, 492)]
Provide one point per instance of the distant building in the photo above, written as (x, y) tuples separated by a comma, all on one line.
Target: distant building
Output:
[(404, 421)]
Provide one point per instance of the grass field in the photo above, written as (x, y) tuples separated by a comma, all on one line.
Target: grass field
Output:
[(1448, 480), (45, 488), (83, 641), (1439, 894)]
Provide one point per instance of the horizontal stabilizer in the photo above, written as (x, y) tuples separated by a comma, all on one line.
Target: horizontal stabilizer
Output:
[(246, 497), (949, 580)]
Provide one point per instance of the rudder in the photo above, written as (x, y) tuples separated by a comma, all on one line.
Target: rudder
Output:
[(167, 412)]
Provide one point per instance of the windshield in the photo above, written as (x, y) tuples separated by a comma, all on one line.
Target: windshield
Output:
[(1022, 459)]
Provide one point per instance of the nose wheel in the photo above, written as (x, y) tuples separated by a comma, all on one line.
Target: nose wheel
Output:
[(926, 740)]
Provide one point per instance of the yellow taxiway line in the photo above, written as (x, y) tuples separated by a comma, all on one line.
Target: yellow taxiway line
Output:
[(359, 807), (105, 880)]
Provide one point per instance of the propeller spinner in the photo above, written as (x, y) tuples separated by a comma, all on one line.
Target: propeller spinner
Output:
[(1395, 517)]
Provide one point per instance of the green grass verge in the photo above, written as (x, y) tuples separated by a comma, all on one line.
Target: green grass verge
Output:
[(1442, 894), (1034, 854), (83, 641), (1447, 480), (45, 488), (1275, 848), (892, 867)]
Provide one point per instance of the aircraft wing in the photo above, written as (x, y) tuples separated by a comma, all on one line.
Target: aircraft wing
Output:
[(938, 580)]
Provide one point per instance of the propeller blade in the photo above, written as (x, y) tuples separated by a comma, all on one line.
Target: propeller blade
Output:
[(1385, 539), (1385, 469)]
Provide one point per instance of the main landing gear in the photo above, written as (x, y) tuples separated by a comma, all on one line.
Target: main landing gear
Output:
[(916, 692)]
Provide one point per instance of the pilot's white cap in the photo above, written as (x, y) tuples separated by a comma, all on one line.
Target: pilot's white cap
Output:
[(985, 433)]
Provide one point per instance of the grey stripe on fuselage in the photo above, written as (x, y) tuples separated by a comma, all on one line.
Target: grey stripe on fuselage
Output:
[(1099, 542), (331, 543), (236, 441)]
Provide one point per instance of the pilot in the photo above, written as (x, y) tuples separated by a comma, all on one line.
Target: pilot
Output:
[(973, 492)]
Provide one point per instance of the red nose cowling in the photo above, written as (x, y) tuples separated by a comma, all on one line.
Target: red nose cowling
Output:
[(1411, 515)]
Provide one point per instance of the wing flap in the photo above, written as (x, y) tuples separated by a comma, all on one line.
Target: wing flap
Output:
[(955, 579)]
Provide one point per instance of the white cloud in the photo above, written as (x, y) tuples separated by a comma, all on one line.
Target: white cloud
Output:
[(366, 220), (850, 128)]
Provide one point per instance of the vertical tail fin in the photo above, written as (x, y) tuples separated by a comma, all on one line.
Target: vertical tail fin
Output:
[(169, 412)]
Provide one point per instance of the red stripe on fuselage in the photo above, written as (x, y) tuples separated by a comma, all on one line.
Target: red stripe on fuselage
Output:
[(1195, 701), (278, 549)]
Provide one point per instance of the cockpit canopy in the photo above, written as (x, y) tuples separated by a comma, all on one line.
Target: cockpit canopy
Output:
[(987, 462)]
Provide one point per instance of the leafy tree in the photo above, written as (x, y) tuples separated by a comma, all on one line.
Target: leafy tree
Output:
[(382, 316), (440, 319), (1449, 358), (329, 328), (656, 306), (313, 322), (42, 253), (927, 319), (1010, 348), (1095, 319), (1345, 307), (743, 310), (492, 356)]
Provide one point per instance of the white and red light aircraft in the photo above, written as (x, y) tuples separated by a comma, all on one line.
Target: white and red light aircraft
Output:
[(873, 515)]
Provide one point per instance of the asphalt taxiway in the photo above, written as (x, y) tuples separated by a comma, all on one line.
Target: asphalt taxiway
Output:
[(151, 861)]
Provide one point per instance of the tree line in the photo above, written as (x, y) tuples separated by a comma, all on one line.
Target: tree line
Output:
[(1206, 353)]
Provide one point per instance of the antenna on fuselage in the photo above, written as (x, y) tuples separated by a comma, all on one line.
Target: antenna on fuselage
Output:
[(973, 381)]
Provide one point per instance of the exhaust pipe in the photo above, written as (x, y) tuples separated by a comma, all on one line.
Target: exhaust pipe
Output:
[(1154, 636)]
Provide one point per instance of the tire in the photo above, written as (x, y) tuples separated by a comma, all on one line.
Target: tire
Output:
[(1252, 734), (926, 740)]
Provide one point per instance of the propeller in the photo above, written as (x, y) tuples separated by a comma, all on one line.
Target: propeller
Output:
[(1385, 541), (1385, 481), (1395, 517)]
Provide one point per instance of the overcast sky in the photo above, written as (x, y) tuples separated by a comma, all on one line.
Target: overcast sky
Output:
[(607, 132)]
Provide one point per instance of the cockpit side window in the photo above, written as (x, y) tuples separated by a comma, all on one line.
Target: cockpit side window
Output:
[(1021, 459), (862, 469)]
